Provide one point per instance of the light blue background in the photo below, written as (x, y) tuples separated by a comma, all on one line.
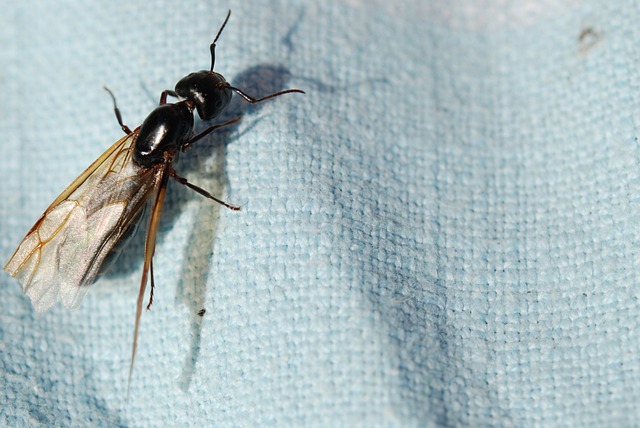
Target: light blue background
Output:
[(442, 232)]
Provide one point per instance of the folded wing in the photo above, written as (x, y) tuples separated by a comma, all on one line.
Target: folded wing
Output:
[(63, 252)]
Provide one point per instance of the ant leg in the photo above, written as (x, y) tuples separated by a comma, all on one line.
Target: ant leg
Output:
[(203, 192), (207, 131), (252, 100), (153, 285), (163, 96), (124, 127)]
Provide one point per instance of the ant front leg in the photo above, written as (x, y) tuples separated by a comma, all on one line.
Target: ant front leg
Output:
[(116, 110), (165, 93)]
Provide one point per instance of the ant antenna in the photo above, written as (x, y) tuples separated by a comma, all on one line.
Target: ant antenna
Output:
[(212, 47)]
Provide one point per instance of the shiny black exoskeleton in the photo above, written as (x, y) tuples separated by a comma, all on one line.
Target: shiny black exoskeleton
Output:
[(208, 90), (164, 130), (169, 127)]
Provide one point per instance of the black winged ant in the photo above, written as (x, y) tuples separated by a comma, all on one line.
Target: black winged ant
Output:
[(63, 252)]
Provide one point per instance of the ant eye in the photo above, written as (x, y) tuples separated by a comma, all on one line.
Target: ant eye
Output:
[(208, 90)]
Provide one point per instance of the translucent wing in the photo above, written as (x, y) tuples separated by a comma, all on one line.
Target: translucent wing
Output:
[(63, 252)]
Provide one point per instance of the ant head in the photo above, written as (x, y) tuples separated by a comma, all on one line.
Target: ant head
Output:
[(208, 90)]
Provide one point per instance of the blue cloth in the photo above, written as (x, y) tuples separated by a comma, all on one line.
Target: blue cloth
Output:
[(442, 232)]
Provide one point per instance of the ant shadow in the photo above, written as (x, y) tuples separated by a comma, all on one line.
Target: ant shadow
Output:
[(256, 81)]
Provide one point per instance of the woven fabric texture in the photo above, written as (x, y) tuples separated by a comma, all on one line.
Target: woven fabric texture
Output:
[(442, 232)]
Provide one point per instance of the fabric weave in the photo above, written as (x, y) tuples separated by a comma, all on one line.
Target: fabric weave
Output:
[(442, 232)]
